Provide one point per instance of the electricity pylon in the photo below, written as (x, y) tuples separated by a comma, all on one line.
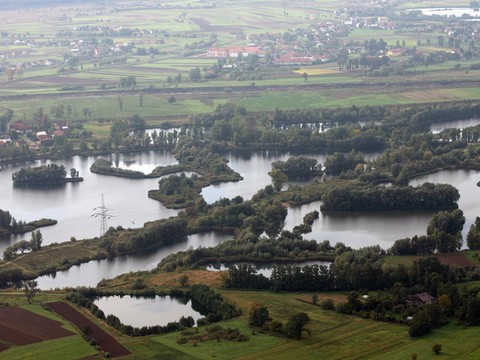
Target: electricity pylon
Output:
[(102, 213)]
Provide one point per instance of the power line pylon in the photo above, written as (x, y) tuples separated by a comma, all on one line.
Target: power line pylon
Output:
[(102, 213)]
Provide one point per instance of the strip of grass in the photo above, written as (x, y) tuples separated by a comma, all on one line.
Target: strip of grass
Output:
[(72, 347)]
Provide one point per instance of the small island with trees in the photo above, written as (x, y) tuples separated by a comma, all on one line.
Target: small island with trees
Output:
[(51, 174), (10, 225)]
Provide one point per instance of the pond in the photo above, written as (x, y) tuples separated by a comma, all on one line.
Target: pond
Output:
[(158, 310), (455, 124)]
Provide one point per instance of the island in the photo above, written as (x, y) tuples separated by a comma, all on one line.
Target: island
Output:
[(50, 174)]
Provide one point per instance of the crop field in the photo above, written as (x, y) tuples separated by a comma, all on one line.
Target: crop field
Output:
[(39, 334), (336, 336), (106, 341)]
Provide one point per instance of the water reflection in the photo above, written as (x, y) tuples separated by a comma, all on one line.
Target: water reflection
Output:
[(267, 268), (360, 229), (449, 11), (139, 312), (455, 124), (466, 183)]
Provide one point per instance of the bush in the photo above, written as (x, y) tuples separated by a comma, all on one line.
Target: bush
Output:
[(327, 304), (437, 349)]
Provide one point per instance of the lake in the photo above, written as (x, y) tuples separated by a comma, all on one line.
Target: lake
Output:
[(72, 205)]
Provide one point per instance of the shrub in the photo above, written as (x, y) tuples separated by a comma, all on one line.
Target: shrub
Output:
[(437, 349)]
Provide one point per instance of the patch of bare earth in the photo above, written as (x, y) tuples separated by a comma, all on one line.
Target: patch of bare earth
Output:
[(106, 341), (210, 278), (456, 259), (21, 327), (428, 95)]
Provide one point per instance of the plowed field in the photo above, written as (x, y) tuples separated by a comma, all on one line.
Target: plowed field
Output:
[(106, 341), (20, 327)]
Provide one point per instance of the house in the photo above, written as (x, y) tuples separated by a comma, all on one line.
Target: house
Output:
[(217, 52), (21, 127), (294, 59), (396, 52), (58, 132), (420, 299), (233, 52), (42, 136)]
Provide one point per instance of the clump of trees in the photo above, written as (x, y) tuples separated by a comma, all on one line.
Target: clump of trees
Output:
[(424, 197), (153, 235), (104, 167), (298, 167), (23, 246), (444, 234), (219, 308), (295, 326), (40, 175)]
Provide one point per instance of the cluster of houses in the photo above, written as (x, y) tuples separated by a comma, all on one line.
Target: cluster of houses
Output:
[(40, 137)]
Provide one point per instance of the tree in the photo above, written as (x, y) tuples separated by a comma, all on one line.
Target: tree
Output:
[(258, 315), (278, 179), (36, 240), (195, 74), (74, 173), (183, 280), (137, 122), (30, 288), (141, 98), (172, 100), (120, 102), (473, 236), (445, 228), (87, 112), (296, 325), (441, 40)]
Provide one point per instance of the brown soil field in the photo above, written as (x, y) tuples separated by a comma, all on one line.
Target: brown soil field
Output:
[(428, 95), (20, 327), (210, 278), (106, 341), (456, 259)]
